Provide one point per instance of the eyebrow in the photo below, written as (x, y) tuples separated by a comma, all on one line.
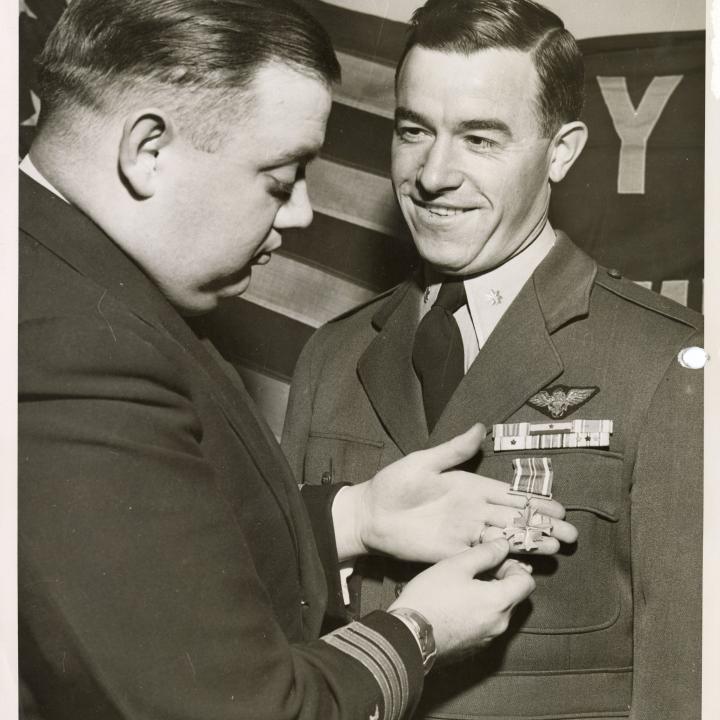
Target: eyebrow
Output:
[(489, 124), (403, 113), (301, 156)]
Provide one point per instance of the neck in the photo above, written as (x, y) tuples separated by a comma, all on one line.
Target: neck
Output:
[(54, 157), (82, 168), (535, 232)]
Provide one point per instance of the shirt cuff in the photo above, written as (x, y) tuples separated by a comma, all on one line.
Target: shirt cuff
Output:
[(346, 570)]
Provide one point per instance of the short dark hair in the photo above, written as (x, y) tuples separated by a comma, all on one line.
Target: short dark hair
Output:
[(194, 48), (467, 26)]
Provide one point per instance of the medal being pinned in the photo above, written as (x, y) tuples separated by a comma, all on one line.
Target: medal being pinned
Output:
[(533, 478)]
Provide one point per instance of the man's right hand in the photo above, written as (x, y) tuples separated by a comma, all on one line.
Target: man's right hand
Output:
[(466, 612)]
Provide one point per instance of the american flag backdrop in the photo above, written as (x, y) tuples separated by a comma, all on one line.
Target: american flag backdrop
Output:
[(634, 200)]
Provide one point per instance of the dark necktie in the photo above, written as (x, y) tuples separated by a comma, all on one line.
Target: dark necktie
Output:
[(438, 354)]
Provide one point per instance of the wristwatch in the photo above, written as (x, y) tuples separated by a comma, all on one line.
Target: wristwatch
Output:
[(422, 630)]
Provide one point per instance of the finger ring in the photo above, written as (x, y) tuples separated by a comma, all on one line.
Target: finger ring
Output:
[(480, 536)]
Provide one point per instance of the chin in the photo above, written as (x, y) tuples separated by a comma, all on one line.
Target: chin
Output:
[(189, 302), (443, 257), (200, 303), (239, 287), (192, 309)]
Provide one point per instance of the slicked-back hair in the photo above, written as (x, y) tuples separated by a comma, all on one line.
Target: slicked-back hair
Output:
[(200, 52), (467, 26)]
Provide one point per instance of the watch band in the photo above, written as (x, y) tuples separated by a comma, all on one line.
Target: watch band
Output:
[(422, 631)]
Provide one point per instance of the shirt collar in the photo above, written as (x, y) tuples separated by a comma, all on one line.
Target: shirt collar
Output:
[(507, 278), (491, 293), (500, 286), (28, 167)]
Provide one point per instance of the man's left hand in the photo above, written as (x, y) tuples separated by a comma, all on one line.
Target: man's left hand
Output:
[(419, 509)]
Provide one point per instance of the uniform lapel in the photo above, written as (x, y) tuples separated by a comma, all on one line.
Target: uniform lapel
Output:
[(517, 360), (386, 372), (520, 357)]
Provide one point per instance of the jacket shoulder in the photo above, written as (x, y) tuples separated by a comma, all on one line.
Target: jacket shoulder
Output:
[(369, 307), (351, 330), (612, 282)]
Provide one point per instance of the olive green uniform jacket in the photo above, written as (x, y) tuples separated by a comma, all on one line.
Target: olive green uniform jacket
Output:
[(613, 629)]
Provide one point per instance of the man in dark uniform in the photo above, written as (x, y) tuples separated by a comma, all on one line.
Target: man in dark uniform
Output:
[(591, 383), (168, 565)]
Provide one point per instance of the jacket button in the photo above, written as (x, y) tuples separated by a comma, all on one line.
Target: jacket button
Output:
[(399, 587), (304, 603), (613, 273), (693, 358)]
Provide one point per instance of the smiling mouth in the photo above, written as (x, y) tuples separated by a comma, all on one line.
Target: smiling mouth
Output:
[(439, 210)]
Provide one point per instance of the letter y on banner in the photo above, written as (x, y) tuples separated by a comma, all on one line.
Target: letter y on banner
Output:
[(634, 126)]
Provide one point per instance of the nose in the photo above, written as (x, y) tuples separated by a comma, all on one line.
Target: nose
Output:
[(297, 212), (437, 173)]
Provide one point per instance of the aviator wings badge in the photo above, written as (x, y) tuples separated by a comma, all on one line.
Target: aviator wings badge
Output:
[(560, 400)]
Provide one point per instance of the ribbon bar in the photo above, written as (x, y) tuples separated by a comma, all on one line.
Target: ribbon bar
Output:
[(541, 436), (533, 476)]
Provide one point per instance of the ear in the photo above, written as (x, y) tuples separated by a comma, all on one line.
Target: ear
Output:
[(567, 145), (145, 133)]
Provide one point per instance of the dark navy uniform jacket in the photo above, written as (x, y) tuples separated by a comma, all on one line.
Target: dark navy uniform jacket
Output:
[(167, 564)]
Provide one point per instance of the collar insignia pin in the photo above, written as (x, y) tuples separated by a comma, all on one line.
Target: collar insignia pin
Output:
[(494, 297)]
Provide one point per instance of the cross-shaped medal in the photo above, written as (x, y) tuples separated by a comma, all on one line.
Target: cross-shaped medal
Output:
[(525, 533)]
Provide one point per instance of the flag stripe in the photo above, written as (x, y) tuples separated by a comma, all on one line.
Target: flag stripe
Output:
[(371, 259), (353, 195), (367, 85), (696, 288), (302, 292), (666, 44), (361, 34), (358, 139), (253, 336), (270, 394), (374, 37), (676, 290), (612, 17)]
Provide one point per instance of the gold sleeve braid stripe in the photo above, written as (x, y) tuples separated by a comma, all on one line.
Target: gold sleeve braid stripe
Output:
[(373, 651)]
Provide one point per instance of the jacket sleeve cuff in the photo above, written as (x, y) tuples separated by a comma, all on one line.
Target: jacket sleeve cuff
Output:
[(386, 648), (318, 502)]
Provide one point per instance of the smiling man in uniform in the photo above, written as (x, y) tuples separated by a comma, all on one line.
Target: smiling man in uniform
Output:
[(588, 381)]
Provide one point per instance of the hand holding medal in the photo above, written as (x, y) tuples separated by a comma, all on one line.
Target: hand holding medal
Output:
[(421, 509)]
